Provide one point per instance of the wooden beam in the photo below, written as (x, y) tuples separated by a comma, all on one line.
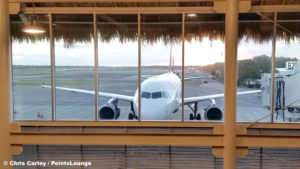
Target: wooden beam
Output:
[(87, 1), (155, 124), (14, 8), (244, 6), (117, 10), (117, 123), (16, 149), (270, 125), (134, 10), (5, 85), (273, 8), (230, 82), (116, 139), (270, 141), (172, 139)]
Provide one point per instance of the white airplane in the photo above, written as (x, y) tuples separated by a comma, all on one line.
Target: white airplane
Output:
[(160, 98)]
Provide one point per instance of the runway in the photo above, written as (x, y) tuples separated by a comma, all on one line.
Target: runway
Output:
[(31, 100)]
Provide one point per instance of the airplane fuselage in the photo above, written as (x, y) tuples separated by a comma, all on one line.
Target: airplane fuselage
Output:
[(160, 97)]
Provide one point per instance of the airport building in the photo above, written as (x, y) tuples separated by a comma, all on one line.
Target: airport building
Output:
[(150, 84)]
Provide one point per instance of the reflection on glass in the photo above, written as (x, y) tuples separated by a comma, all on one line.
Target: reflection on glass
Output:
[(270, 158), (118, 66), (74, 67), (287, 68), (204, 67), (161, 67), (30, 70), (254, 63)]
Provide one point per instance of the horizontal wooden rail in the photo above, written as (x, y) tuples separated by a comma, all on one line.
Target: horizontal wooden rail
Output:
[(156, 133)]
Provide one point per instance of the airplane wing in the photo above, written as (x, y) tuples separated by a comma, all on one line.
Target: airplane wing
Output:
[(215, 96), (195, 77), (147, 76), (103, 94), (185, 78)]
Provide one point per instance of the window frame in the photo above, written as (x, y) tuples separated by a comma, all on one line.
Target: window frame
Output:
[(183, 13)]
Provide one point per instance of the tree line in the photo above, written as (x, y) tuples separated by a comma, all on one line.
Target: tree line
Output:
[(248, 68)]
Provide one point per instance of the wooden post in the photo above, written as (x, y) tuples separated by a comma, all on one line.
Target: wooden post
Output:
[(273, 65), (5, 86), (231, 31)]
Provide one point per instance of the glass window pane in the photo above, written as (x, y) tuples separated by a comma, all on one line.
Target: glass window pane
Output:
[(287, 68), (118, 66), (254, 67), (30, 68), (74, 67), (204, 67), (275, 158), (161, 65)]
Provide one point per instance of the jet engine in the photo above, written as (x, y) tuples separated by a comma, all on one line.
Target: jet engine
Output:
[(212, 112), (110, 110)]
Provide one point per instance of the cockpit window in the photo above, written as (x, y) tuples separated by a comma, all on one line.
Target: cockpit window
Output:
[(156, 95), (146, 95), (165, 94)]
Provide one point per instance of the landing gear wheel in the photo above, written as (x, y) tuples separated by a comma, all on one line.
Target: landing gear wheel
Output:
[(130, 116), (198, 117), (192, 116)]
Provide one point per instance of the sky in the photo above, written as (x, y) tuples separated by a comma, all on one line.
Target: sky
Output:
[(117, 54)]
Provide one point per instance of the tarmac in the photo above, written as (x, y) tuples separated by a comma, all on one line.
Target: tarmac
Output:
[(32, 102)]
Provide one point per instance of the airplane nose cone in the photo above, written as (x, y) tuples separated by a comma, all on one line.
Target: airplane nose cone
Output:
[(153, 110)]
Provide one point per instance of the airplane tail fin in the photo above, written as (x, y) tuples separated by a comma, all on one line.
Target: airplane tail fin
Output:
[(171, 61)]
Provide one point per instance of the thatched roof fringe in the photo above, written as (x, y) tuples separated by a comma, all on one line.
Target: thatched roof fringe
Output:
[(151, 33), (154, 4)]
